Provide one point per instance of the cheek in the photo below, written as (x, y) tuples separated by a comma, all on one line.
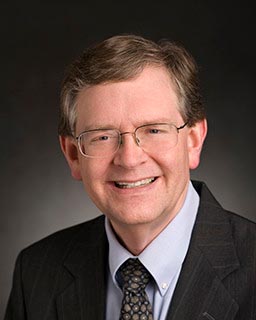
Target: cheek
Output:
[(91, 183), (176, 160), (94, 172)]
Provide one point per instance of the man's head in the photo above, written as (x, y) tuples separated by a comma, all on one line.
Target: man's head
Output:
[(116, 87), (122, 58)]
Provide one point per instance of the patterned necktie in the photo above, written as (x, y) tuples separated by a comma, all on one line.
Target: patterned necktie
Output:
[(134, 278)]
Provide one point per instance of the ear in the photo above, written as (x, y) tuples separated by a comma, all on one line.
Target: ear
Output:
[(196, 137), (71, 153)]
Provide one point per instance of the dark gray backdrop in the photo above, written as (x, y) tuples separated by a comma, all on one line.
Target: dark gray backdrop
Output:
[(39, 40)]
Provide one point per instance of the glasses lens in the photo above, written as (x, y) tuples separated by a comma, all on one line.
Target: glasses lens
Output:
[(157, 137), (98, 143)]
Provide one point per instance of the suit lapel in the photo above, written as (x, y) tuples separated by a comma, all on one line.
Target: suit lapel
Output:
[(200, 293), (83, 297)]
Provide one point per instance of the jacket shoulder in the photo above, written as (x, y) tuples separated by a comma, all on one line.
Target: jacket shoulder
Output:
[(44, 269), (56, 246), (214, 220), (243, 233)]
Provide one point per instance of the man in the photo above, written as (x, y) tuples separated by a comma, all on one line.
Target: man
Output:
[(132, 126)]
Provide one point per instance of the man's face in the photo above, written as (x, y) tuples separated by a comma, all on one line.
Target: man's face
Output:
[(149, 98)]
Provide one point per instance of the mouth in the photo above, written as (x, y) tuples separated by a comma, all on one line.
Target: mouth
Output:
[(136, 184)]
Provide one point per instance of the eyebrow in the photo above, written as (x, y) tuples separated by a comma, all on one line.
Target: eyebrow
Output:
[(98, 127), (160, 120), (111, 126)]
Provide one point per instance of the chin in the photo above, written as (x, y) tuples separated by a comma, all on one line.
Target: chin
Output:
[(134, 218)]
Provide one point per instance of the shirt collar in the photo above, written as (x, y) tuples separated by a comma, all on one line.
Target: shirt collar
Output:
[(164, 256)]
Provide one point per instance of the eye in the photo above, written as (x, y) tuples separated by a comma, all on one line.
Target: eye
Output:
[(103, 138), (157, 129), (154, 131), (100, 138)]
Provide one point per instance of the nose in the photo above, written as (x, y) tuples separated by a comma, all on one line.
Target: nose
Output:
[(130, 154)]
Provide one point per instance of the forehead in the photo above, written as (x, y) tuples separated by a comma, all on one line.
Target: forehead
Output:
[(149, 97)]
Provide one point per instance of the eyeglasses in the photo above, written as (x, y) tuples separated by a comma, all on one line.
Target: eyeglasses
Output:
[(152, 138)]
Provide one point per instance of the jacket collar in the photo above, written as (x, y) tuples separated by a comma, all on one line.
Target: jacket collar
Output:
[(84, 276), (211, 258)]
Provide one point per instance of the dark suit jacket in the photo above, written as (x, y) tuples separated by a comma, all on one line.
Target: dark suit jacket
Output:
[(64, 276)]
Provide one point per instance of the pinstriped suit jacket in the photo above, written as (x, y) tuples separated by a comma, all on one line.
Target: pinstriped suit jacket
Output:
[(64, 275)]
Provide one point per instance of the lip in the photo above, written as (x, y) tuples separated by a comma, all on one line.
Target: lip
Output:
[(135, 184), (135, 189)]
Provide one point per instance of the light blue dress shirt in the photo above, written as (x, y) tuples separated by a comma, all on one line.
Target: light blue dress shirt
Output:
[(163, 258)]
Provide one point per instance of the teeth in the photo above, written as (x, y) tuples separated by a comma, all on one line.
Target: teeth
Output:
[(127, 185)]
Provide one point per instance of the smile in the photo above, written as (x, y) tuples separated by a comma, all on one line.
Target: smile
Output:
[(136, 184)]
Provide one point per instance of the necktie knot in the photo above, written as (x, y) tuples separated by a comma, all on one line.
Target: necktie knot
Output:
[(134, 276)]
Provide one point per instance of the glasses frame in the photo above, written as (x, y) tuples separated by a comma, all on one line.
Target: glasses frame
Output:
[(120, 134)]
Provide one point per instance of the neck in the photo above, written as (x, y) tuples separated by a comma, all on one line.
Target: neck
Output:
[(134, 241), (135, 238)]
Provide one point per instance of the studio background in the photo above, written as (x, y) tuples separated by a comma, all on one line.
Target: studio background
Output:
[(38, 195)]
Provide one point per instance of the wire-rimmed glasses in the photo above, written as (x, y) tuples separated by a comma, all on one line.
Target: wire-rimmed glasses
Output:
[(104, 142)]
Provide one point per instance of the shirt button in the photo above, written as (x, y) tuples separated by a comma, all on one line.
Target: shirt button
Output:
[(164, 285)]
